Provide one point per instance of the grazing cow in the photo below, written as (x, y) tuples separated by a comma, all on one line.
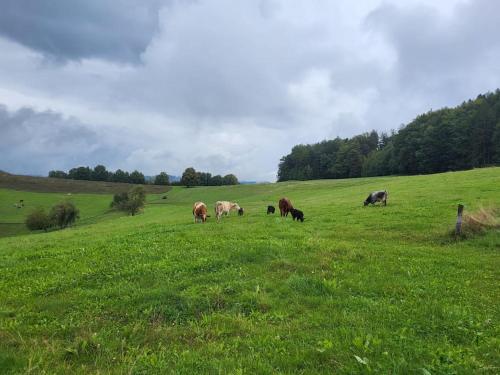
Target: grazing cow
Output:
[(200, 212), (285, 206), (241, 211), (376, 196), (270, 210), (297, 214), (223, 208)]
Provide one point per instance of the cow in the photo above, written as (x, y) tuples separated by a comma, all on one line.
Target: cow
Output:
[(270, 210), (223, 208), (376, 196), (285, 206), (241, 211), (200, 212), (297, 215)]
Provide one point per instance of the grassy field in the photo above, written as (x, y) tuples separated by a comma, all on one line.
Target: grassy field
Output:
[(351, 290), (91, 197)]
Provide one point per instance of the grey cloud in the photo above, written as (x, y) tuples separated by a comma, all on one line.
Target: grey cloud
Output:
[(437, 53), (117, 30), (231, 64), (34, 142), (230, 86)]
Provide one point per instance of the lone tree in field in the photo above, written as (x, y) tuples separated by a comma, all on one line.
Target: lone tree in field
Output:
[(131, 202), (162, 179), (38, 220), (64, 214), (190, 178)]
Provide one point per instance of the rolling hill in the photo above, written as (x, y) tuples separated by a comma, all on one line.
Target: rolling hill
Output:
[(352, 289), (60, 185)]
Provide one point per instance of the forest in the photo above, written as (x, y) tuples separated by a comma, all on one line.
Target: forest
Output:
[(449, 139)]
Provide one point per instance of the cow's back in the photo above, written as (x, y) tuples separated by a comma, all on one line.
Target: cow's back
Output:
[(285, 204)]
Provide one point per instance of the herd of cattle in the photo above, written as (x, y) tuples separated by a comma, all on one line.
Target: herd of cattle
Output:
[(284, 204)]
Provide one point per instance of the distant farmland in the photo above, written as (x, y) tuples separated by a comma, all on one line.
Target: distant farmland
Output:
[(60, 185)]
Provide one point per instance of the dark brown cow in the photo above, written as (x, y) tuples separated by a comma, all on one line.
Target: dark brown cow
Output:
[(285, 206)]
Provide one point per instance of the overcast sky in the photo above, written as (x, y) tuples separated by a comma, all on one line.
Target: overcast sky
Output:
[(227, 86)]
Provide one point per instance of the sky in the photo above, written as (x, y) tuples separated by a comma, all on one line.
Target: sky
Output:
[(227, 86)]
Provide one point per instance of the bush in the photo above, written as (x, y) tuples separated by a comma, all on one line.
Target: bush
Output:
[(118, 199), (38, 220), (131, 202), (64, 214)]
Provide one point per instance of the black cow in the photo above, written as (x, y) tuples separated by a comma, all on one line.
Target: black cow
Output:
[(270, 210), (297, 214), (240, 211), (376, 196)]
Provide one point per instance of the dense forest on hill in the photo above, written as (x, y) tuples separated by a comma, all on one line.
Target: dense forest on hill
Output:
[(448, 139)]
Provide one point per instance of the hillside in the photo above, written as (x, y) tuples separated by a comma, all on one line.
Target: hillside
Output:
[(353, 289), (449, 139), (58, 185)]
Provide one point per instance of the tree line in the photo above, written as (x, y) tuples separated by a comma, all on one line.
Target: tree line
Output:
[(191, 177), (449, 139), (100, 173)]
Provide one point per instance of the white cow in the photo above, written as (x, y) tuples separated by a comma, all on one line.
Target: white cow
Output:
[(223, 208)]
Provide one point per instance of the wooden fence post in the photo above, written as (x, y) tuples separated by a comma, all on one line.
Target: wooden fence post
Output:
[(458, 228)]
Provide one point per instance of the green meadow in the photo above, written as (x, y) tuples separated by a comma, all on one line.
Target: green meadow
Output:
[(352, 289)]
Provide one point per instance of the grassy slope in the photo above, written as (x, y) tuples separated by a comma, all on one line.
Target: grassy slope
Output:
[(257, 294), (93, 208)]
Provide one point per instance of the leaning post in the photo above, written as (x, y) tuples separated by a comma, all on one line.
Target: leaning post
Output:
[(458, 228)]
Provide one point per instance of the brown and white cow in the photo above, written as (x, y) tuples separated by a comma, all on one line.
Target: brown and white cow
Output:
[(285, 206), (200, 212), (223, 208)]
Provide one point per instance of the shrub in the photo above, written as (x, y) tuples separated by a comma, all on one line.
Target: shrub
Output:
[(38, 220), (131, 202), (64, 214), (118, 199)]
